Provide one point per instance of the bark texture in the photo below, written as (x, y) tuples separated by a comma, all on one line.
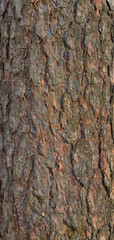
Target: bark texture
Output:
[(56, 119)]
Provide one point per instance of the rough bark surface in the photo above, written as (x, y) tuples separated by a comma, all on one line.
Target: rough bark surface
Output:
[(56, 119)]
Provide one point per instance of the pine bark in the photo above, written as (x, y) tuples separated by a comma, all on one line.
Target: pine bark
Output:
[(56, 120)]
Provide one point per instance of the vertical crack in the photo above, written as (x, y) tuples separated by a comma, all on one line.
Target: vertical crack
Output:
[(99, 165), (75, 8), (72, 166), (109, 232), (8, 42), (111, 113), (51, 174)]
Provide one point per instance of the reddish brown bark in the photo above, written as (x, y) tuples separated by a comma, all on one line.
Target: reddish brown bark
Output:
[(56, 118)]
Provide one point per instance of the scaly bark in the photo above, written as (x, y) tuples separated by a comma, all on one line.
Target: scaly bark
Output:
[(56, 118)]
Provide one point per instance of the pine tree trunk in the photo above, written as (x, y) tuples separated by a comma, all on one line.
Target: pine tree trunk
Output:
[(56, 119)]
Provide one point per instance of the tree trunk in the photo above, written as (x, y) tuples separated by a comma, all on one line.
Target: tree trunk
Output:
[(56, 109)]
